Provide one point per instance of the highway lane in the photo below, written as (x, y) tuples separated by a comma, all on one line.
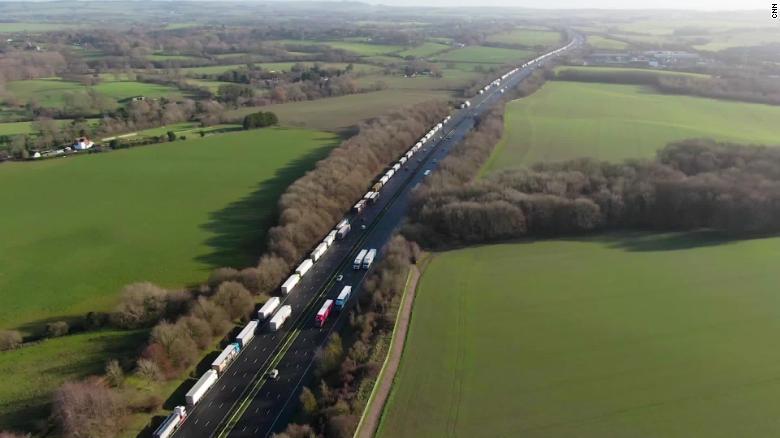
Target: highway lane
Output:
[(272, 401)]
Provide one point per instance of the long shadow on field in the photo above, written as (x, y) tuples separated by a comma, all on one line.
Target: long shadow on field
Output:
[(648, 242), (239, 229)]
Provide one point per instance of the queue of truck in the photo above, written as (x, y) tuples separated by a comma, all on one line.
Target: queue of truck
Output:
[(278, 313)]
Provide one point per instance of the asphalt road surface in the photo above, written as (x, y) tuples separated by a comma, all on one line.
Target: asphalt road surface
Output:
[(245, 402)]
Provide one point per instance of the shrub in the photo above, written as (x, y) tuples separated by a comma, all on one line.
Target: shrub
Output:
[(57, 329), (10, 339), (235, 299), (115, 376), (141, 305), (260, 120)]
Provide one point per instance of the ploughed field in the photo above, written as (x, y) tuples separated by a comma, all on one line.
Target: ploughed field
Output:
[(83, 227), (566, 120), (666, 335)]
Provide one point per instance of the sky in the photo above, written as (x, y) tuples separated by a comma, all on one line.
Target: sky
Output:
[(596, 4)]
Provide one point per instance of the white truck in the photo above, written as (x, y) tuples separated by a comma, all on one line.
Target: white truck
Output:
[(279, 318), (359, 259), (343, 297), (268, 308), (304, 267), (290, 283), (330, 238), (369, 259), (247, 333), (343, 231), (200, 388), (361, 205), (319, 251), (172, 423)]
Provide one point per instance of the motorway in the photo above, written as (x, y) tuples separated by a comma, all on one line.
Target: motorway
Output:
[(245, 402)]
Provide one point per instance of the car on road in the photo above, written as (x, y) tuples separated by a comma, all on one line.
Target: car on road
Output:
[(427, 172), (340, 277), (362, 227), (273, 374)]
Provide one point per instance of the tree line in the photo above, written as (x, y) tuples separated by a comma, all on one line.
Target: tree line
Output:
[(693, 184)]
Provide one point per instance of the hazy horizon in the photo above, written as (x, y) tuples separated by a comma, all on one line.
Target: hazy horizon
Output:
[(696, 5), (703, 5)]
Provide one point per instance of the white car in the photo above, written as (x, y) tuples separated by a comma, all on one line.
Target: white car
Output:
[(340, 277), (273, 374)]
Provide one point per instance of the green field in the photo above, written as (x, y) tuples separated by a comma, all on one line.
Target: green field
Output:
[(618, 336), (486, 55), (36, 27), (566, 120), (50, 92), (287, 66), (598, 69), (40, 368), (337, 113), (358, 47), (85, 226), (739, 38), (451, 80), (169, 57), (211, 69), (527, 37), (602, 43), (14, 128), (424, 50)]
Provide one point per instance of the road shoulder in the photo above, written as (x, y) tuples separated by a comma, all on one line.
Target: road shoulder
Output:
[(372, 414)]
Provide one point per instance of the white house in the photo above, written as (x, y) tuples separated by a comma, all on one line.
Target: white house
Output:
[(83, 144)]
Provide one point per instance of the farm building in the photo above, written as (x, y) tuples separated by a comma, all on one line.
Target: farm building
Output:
[(83, 144)]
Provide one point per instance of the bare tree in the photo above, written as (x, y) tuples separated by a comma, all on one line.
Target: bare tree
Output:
[(88, 409)]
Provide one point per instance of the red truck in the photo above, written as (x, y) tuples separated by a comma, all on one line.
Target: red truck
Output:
[(322, 315)]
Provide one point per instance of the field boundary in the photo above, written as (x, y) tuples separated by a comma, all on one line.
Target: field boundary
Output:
[(372, 413)]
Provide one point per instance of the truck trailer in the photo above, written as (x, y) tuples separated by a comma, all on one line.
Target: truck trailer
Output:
[(304, 267), (224, 359), (200, 388), (343, 297), (279, 318), (290, 283), (330, 238), (268, 308), (323, 313), (247, 333), (358, 208), (369, 259), (343, 231), (172, 423), (359, 259), (319, 251)]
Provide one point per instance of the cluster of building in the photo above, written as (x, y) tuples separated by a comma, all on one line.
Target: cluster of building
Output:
[(81, 144), (649, 58)]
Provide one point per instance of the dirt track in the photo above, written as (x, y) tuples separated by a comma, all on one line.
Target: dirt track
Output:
[(374, 411)]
